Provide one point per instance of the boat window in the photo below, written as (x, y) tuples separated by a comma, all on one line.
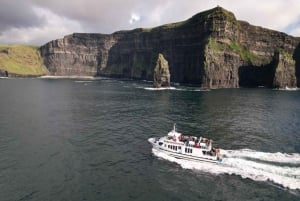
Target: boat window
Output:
[(176, 148), (187, 150), (169, 146), (179, 147), (165, 145), (160, 143)]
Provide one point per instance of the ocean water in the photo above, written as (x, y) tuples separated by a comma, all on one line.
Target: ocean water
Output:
[(74, 139)]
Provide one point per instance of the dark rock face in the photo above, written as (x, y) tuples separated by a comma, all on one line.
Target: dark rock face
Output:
[(296, 57), (3, 73), (161, 72), (212, 49)]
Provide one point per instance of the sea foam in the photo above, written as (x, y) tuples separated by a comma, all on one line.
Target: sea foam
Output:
[(173, 88), (280, 168)]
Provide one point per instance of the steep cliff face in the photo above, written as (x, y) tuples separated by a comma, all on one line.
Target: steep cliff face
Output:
[(212, 49), (77, 54), (3, 73), (296, 57), (239, 54)]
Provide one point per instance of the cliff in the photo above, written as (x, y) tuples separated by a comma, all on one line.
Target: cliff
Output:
[(21, 61), (211, 49)]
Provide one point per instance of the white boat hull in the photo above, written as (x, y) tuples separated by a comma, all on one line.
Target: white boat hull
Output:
[(182, 156)]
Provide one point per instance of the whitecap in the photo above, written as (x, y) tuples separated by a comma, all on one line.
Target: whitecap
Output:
[(83, 81), (159, 89), (173, 88), (65, 77)]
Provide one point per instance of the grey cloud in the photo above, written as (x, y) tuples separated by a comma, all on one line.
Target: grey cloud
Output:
[(103, 16), (17, 14), (57, 17)]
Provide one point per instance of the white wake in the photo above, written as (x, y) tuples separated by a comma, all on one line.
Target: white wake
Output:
[(279, 168)]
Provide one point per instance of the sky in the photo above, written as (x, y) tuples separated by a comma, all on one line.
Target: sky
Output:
[(37, 22)]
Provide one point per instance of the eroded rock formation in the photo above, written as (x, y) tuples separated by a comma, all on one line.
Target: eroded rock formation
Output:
[(161, 73), (212, 49), (3, 73)]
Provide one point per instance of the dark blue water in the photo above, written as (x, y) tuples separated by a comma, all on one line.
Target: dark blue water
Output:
[(70, 140)]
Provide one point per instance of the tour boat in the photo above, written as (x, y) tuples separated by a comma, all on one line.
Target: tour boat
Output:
[(186, 147)]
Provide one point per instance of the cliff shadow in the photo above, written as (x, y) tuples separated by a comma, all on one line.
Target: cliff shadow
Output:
[(192, 68), (255, 76), (296, 57)]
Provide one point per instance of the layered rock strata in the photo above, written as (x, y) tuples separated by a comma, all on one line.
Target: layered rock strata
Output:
[(161, 72), (212, 49)]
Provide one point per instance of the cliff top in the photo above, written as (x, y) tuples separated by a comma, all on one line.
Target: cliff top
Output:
[(21, 59), (214, 13)]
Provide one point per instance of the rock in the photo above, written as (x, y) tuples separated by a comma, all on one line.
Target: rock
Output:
[(285, 75), (211, 49), (161, 76), (3, 73)]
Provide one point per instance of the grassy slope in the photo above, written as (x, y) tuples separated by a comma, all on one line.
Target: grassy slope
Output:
[(22, 60)]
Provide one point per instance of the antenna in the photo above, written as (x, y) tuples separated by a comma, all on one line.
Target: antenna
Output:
[(174, 127)]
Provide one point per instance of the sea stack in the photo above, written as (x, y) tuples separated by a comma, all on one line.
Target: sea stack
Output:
[(161, 72)]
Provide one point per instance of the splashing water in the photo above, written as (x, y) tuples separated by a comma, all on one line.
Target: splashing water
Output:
[(279, 168), (174, 89)]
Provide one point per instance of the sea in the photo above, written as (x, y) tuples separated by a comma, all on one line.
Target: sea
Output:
[(86, 140)]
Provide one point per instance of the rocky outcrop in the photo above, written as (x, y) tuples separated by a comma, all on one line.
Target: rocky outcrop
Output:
[(161, 72), (285, 74), (296, 57), (3, 73), (212, 49)]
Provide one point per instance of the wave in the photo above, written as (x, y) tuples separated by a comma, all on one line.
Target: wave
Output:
[(171, 88), (279, 168), (83, 81), (278, 157), (65, 77), (287, 89), (159, 89)]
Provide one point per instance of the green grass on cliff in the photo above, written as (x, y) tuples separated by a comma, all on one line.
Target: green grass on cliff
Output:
[(215, 45), (233, 46), (285, 54), (245, 54), (166, 26), (21, 59)]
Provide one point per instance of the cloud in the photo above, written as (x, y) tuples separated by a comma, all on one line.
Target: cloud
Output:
[(134, 18), (54, 26), (295, 32), (36, 21), (18, 14)]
